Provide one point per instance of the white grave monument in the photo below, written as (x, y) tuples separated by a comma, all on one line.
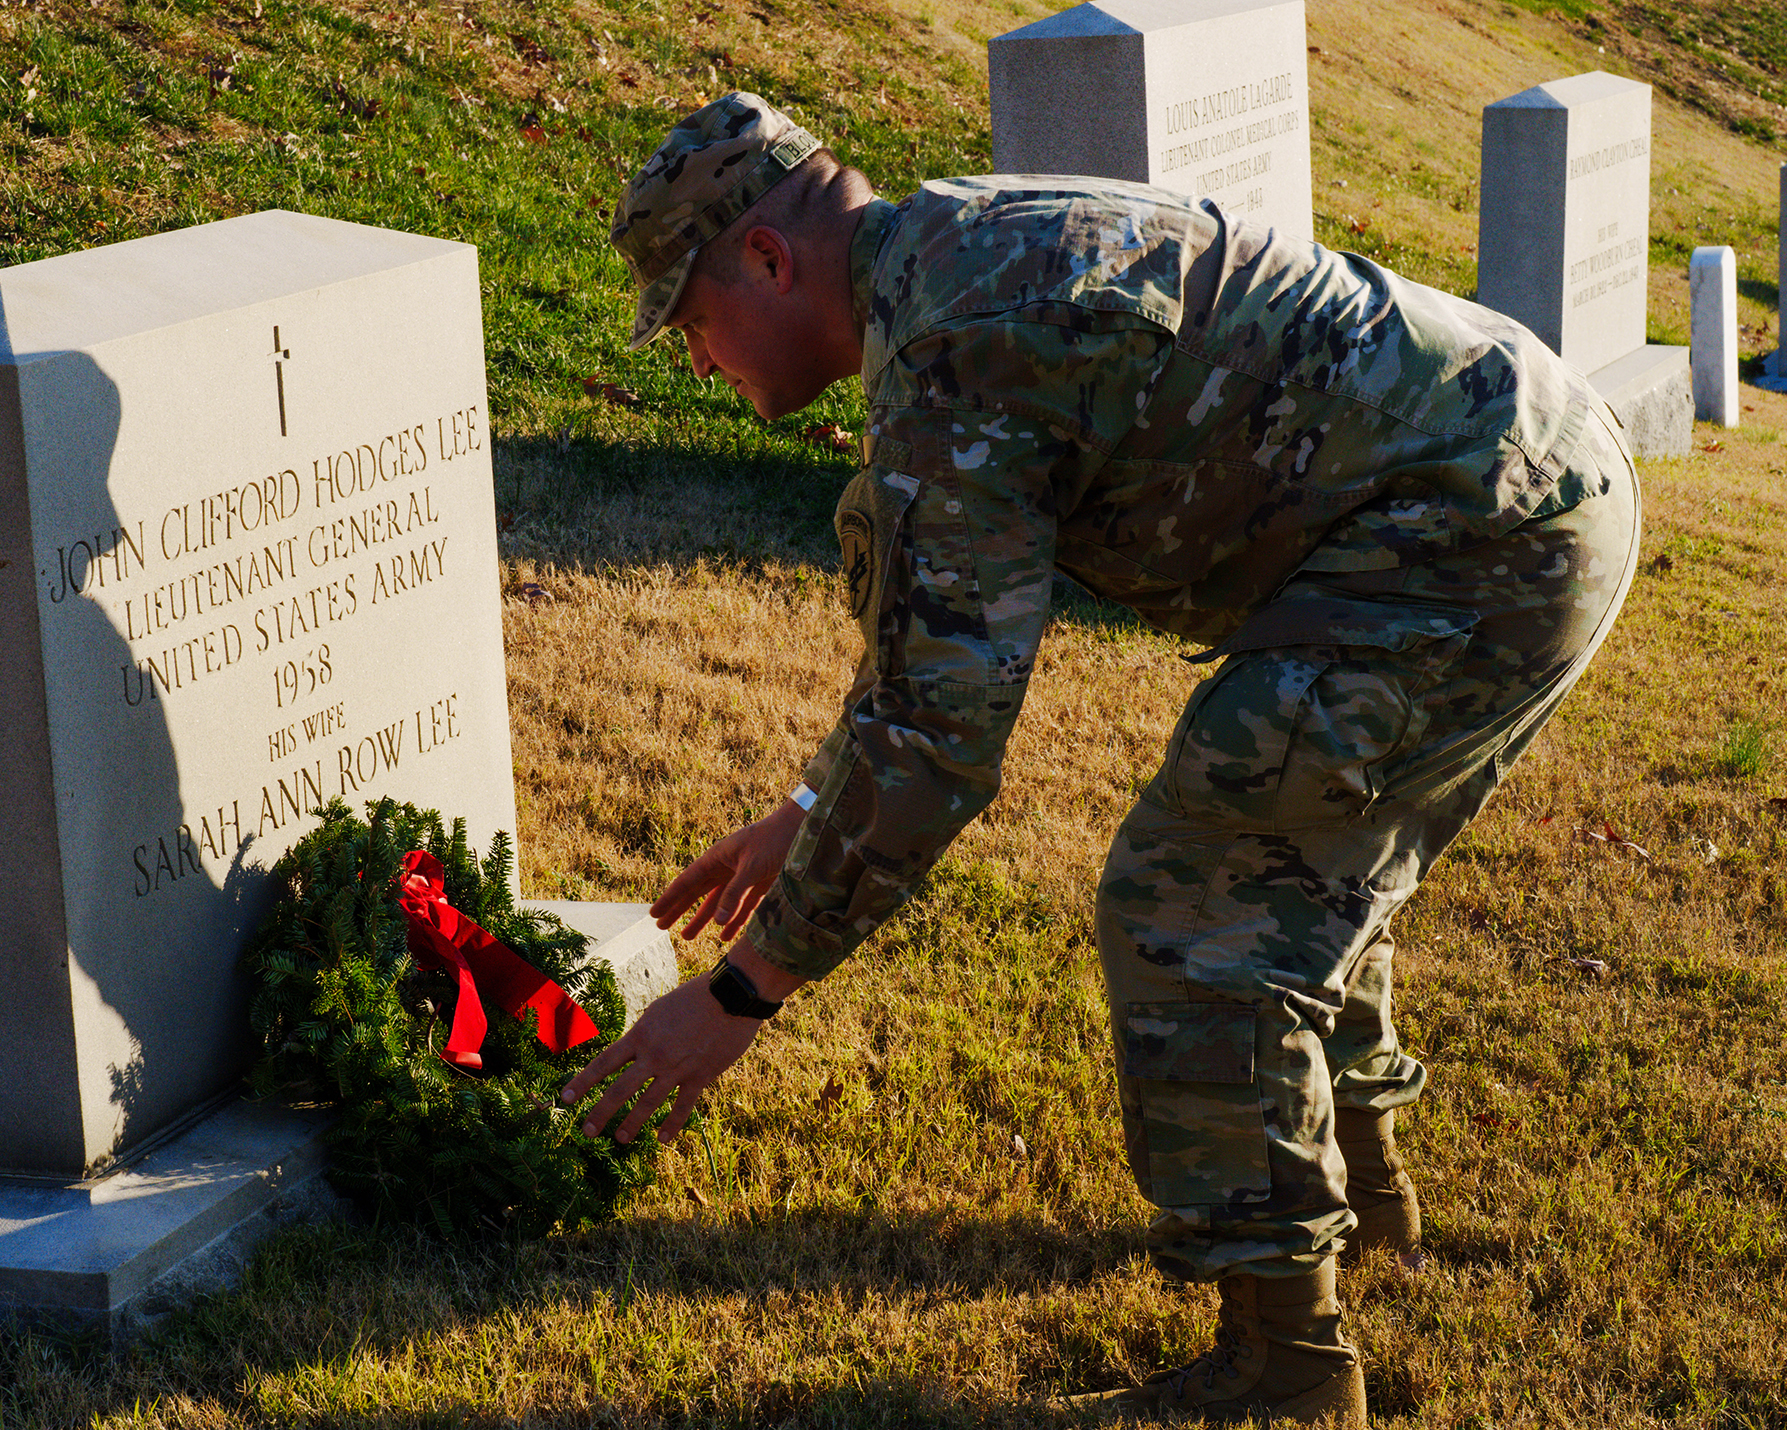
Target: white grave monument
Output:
[(1204, 97), (247, 563), (1564, 243), (1712, 305)]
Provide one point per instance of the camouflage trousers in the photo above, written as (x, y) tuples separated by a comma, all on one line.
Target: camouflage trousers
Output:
[(1244, 911)]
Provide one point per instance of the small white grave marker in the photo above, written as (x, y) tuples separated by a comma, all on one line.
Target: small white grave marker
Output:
[(1712, 302)]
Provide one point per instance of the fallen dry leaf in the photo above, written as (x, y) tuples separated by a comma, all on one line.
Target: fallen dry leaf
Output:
[(533, 593), (1606, 834), (1357, 225), (531, 130), (362, 109), (1018, 1145), (1494, 1119), (1595, 968), (612, 392), (831, 437), (1713, 447), (696, 1195)]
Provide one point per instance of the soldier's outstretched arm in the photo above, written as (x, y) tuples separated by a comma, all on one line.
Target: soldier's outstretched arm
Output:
[(685, 1039)]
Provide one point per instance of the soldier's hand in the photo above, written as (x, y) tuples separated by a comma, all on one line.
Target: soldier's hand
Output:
[(730, 879), (680, 1044)]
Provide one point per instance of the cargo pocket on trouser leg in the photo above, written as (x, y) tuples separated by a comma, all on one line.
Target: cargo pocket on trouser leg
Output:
[(1192, 1118), (1316, 698)]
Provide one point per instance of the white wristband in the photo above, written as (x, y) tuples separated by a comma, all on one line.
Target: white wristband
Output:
[(803, 795)]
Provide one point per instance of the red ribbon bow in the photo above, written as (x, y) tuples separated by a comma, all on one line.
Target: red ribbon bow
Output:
[(442, 937)]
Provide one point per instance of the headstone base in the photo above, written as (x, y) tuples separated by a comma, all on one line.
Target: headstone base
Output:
[(637, 950), (1774, 366), (1651, 391), (118, 1252)]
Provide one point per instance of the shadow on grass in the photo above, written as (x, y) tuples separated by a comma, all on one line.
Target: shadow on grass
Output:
[(324, 1293), (327, 1295), (1760, 290), (596, 506)]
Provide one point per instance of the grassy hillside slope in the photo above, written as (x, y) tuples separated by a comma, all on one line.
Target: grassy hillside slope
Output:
[(907, 1207)]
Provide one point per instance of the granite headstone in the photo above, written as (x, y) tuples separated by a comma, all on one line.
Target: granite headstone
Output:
[(1564, 242), (1565, 222), (247, 563), (1774, 366), (1204, 97)]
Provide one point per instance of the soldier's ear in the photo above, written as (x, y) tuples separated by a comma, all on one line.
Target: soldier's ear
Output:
[(767, 254)]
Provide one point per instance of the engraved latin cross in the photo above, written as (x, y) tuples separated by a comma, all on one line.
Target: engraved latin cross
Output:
[(280, 357)]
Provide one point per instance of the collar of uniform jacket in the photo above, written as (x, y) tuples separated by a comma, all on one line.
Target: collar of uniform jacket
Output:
[(877, 222)]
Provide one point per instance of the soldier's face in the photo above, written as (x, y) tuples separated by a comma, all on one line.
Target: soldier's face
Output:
[(754, 333), (728, 341)]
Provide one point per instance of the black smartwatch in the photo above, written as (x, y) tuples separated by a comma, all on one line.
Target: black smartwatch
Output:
[(734, 991)]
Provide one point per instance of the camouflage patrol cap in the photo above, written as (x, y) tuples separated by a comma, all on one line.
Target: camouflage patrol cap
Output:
[(715, 165)]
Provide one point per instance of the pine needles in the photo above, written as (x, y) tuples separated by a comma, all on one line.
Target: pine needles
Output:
[(345, 1017)]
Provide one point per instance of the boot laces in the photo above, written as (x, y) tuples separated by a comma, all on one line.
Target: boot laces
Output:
[(1218, 1360)]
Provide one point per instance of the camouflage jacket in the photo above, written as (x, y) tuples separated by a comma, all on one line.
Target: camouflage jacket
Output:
[(1180, 410)]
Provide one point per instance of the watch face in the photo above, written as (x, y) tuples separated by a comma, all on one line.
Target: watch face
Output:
[(734, 992)]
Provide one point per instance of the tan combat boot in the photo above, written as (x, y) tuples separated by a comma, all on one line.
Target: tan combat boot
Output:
[(1378, 1187), (1279, 1359)]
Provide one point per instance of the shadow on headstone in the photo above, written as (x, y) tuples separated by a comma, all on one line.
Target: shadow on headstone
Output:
[(87, 1009)]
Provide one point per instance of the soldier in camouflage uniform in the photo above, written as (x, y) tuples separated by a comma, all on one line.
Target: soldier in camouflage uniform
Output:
[(1400, 526)]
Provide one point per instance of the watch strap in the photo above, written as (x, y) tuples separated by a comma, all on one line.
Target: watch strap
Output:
[(734, 991)]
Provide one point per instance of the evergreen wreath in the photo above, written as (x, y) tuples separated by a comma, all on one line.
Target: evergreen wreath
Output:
[(345, 1017)]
